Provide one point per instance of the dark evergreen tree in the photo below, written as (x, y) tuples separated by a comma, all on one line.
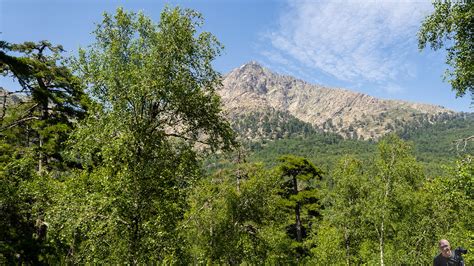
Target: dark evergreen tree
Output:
[(32, 136), (300, 194)]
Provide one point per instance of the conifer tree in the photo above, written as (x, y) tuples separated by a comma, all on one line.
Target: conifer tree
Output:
[(32, 136), (300, 194)]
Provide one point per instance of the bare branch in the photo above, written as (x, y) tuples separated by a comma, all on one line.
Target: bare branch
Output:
[(463, 142), (185, 138), (19, 122)]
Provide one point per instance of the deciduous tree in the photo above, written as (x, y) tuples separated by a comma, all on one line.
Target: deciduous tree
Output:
[(450, 26), (154, 108)]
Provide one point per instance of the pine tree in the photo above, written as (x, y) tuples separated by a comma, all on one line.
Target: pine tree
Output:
[(33, 133), (300, 194)]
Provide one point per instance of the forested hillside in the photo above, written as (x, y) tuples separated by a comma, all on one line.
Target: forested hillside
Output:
[(270, 125), (435, 145), (441, 142), (123, 155)]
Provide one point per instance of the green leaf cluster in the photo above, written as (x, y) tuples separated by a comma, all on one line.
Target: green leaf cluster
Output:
[(450, 25)]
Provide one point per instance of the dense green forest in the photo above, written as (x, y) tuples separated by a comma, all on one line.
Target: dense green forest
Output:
[(434, 145), (122, 155)]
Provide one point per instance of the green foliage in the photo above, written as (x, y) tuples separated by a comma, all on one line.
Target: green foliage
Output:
[(54, 99), (382, 208), (434, 145), (246, 214), (32, 141), (340, 234), (451, 26), (17, 226), (393, 181), (154, 105), (299, 196), (326, 245), (324, 149), (270, 125), (127, 187), (439, 144), (231, 215), (439, 139), (387, 211), (451, 206)]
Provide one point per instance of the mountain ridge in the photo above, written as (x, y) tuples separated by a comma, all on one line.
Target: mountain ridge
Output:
[(252, 88)]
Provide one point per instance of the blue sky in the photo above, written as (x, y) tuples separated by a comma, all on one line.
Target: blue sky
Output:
[(367, 46)]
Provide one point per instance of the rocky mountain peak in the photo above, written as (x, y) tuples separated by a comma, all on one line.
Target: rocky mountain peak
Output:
[(251, 77), (251, 66), (252, 88)]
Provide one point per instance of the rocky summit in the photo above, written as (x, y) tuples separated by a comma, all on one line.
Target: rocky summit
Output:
[(255, 90)]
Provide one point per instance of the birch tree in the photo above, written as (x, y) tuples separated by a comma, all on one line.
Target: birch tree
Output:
[(154, 110)]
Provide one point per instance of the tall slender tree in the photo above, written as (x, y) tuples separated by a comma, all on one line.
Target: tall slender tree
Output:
[(228, 223), (393, 180), (339, 238), (53, 98)]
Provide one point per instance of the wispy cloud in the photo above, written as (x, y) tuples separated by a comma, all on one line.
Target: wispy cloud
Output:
[(350, 40), (283, 65), (392, 88)]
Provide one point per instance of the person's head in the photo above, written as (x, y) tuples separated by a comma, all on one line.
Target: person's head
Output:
[(445, 248)]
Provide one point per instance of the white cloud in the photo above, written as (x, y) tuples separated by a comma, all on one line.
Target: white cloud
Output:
[(393, 88), (276, 57), (284, 66), (351, 40)]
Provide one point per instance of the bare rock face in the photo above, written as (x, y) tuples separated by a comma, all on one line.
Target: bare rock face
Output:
[(8, 99), (253, 88)]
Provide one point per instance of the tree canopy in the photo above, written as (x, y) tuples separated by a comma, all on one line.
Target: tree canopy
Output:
[(154, 109), (33, 135), (450, 26)]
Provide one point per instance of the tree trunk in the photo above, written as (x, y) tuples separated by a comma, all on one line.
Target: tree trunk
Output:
[(381, 243), (135, 241), (382, 227), (347, 242), (238, 181), (299, 234), (40, 156), (43, 99)]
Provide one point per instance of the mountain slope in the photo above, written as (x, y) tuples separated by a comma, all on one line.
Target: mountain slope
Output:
[(253, 89)]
